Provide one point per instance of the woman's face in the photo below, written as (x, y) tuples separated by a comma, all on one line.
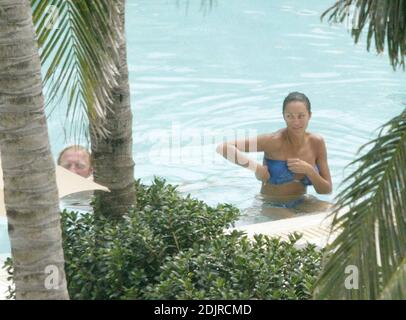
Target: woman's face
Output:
[(296, 116)]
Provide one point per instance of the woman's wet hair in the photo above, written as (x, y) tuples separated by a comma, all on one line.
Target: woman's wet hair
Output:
[(297, 96)]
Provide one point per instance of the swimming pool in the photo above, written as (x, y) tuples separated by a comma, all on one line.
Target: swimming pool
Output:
[(199, 76), (4, 241)]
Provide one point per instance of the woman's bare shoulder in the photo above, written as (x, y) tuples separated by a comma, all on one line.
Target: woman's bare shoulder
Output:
[(278, 135), (315, 137), (316, 140), (271, 137), (273, 141)]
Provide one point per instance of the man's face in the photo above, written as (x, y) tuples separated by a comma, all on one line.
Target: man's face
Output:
[(77, 161)]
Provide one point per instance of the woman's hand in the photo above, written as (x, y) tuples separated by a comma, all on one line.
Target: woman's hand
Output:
[(262, 173), (299, 166)]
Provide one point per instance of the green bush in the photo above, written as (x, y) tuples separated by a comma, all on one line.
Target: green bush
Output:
[(233, 267), (174, 247), (116, 259)]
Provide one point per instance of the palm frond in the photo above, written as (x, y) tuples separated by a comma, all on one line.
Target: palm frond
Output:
[(396, 287), (385, 20), (78, 49), (370, 220)]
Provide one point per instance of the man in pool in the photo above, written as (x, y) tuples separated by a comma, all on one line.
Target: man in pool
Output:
[(77, 159), (293, 160)]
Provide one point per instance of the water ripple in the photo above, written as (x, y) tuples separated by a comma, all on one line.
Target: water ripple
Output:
[(235, 82)]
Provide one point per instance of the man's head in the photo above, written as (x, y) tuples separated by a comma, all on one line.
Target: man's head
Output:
[(76, 159)]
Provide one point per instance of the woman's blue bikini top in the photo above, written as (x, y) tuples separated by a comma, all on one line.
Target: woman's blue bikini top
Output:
[(280, 173)]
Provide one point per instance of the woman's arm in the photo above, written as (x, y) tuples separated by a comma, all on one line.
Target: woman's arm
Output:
[(233, 151), (321, 181)]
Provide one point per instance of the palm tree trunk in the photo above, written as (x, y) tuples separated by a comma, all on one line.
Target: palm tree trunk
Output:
[(112, 156), (30, 189)]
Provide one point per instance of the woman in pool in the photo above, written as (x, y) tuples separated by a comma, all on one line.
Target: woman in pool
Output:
[(293, 160)]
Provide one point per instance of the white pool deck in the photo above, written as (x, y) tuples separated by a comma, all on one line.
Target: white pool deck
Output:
[(314, 227)]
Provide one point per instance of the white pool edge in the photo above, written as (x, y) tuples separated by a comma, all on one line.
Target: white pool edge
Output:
[(315, 229)]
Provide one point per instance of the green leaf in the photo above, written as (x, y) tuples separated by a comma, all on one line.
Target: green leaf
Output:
[(79, 55), (372, 230)]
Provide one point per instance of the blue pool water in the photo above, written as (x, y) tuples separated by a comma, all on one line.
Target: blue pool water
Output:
[(199, 76), (4, 241)]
